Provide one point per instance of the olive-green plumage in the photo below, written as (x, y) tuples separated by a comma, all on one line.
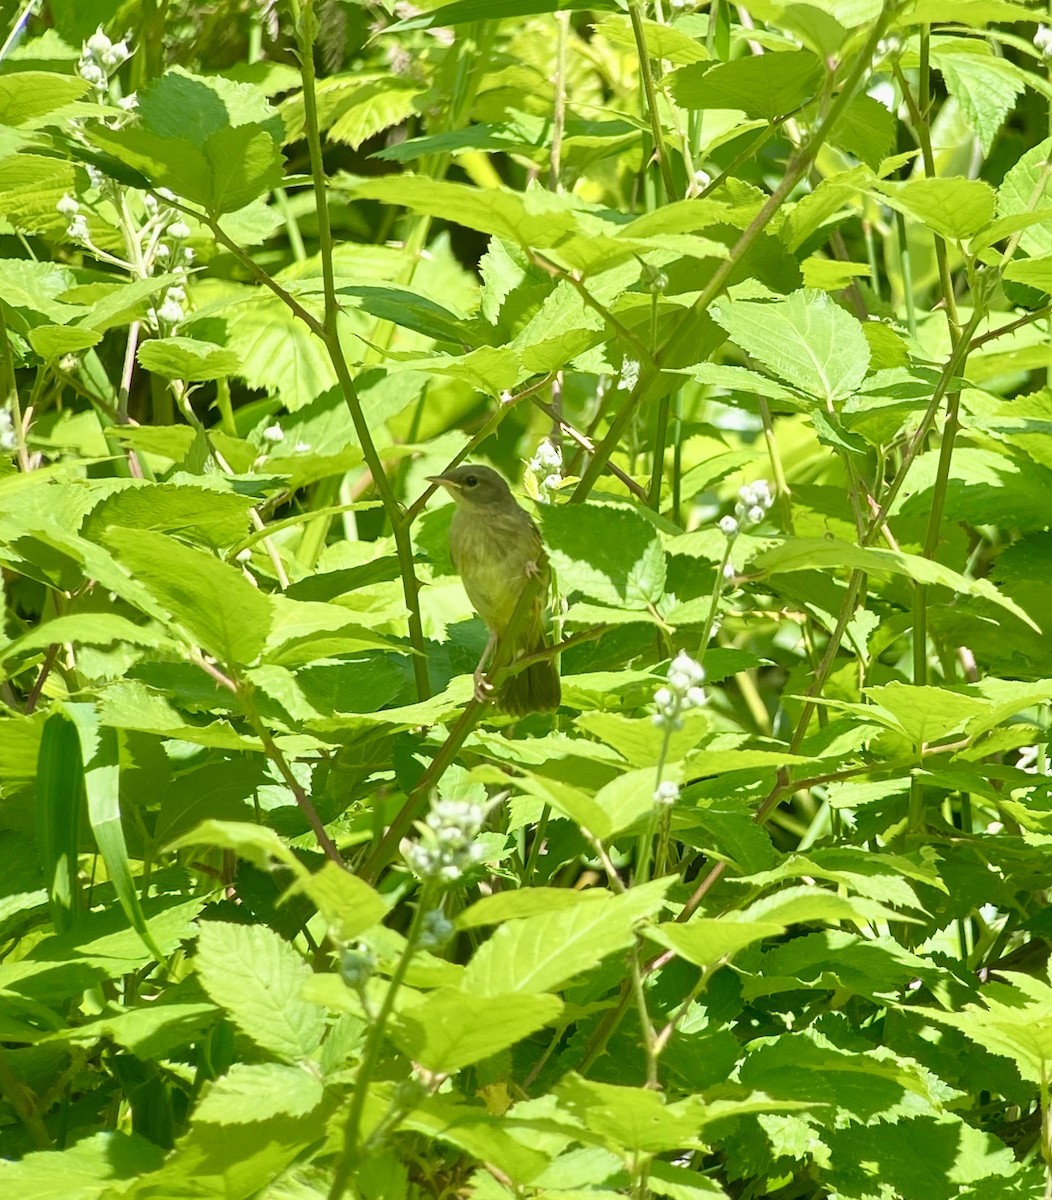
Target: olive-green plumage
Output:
[(496, 549)]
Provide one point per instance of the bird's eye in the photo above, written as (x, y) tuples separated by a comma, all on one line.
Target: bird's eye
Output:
[(470, 481)]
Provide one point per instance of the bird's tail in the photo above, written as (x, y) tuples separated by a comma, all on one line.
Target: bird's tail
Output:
[(536, 688)]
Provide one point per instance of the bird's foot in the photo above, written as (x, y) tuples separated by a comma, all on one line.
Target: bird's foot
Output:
[(483, 688), (531, 570)]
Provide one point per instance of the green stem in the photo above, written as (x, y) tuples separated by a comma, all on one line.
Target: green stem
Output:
[(717, 592), (658, 458), (646, 72), (371, 1053)]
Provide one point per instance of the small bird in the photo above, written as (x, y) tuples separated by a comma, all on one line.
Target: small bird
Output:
[(496, 549)]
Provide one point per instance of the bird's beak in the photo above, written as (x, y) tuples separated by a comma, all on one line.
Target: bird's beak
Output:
[(443, 481)]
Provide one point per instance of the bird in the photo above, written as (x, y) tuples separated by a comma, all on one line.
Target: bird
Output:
[(496, 549)]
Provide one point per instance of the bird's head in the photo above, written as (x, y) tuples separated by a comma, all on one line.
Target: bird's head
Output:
[(475, 486)]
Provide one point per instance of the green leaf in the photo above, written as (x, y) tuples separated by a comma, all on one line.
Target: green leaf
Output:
[(26, 95), (100, 756), (259, 978), (663, 41), (803, 554), (348, 904), (527, 902), (760, 85), (212, 142), (84, 1171), (257, 844), (187, 358), (984, 85), (606, 551), (214, 603), (451, 1029), (866, 129), (534, 218), (1026, 189), (1034, 272), (206, 514), (59, 788), (628, 1120), (53, 341), (83, 629), (806, 339), (953, 208), (706, 941), (252, 1092), (544, 952), (31, 185)]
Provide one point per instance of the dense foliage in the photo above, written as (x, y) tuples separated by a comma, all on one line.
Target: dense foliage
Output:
[(758, 295)]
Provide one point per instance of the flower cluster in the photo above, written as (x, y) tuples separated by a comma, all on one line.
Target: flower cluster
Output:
[(754, 499), (77, 230), (683, 692), (546, 467), (100, 58), (447, 845)]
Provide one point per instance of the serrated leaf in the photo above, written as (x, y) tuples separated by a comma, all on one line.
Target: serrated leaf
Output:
[(953, 208), (251, 1092), (706, 941), (1025, 190), (82, 1171), (187, 358), (211, 141), (805, 339), (25, 95), (608, 552), (451, 1029), (803, 554), (761, 85), (347, 903), (212, 601), (258, 978), (543, 952), (53, 341)]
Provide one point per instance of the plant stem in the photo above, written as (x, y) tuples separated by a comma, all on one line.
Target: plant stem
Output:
[(371, 1053), (646, 72)]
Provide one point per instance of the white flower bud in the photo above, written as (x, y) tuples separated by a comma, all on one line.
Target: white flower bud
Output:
[(179, 230), (98, 44), (92, 73), (728, 527), (667, 793), (171, 311), (68, 205), (273, 433), (77, 229)]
